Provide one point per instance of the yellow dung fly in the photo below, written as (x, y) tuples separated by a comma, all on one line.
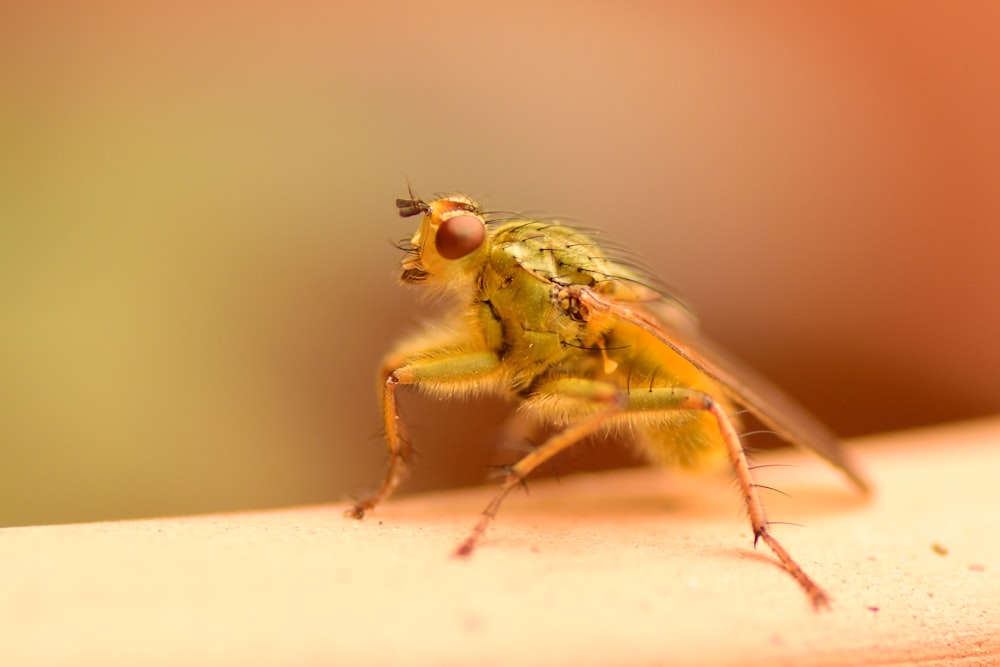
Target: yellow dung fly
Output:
[(571, 330)]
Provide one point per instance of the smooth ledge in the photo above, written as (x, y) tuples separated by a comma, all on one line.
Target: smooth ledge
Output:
[(626, 567)]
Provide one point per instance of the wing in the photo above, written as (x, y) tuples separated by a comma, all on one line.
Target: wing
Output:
[(745, 386)]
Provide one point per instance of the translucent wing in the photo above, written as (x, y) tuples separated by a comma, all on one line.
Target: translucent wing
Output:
[(768, 403)]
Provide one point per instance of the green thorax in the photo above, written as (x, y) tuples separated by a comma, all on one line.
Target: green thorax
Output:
[(520, 311)]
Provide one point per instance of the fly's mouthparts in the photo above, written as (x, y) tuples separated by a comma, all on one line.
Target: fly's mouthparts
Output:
[(414, 275)]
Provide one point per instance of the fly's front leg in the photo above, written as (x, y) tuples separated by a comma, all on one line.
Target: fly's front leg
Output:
[(443, 371), (689, 399), (400, 450), (603, 400)]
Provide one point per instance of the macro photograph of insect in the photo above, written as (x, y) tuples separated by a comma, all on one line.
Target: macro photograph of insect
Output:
[(521, 333), (580, 337)]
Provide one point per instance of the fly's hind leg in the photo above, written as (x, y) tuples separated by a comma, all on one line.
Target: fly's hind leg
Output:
[(688, 399), (443, 370), (601, 402)]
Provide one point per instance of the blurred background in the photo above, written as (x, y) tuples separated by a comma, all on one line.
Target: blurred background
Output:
[(196, 199)]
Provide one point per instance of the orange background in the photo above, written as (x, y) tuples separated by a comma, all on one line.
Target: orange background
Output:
[(195, 283)]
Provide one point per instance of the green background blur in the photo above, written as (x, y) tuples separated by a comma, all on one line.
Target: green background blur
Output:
[(195, 200)]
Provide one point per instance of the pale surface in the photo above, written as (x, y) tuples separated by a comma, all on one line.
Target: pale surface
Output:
[(632, 567)]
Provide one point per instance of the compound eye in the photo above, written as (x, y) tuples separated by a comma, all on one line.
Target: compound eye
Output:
[(459, 235)]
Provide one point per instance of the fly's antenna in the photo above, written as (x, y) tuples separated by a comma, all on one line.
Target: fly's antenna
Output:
[(411, 207)]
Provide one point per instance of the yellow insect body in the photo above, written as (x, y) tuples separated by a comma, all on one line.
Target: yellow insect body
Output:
[(583, 342)]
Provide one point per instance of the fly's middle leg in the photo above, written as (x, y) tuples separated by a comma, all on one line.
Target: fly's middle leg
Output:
[(604, 402)]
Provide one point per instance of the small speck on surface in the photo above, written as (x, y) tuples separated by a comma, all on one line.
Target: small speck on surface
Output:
[(939, 549)]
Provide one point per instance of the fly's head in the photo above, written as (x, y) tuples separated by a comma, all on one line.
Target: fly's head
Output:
[(448, 245)]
